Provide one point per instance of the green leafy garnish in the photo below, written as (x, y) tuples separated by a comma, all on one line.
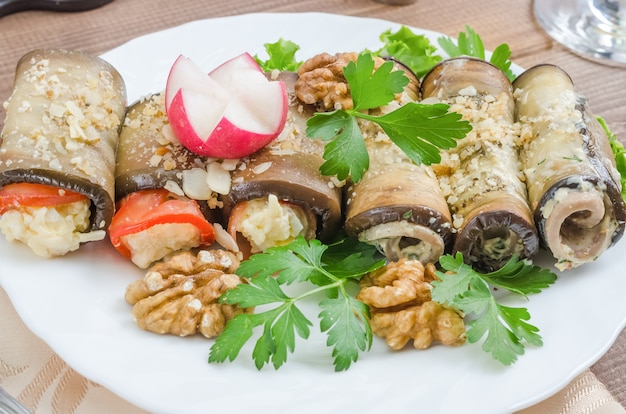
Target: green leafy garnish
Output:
[(470, 291), (420, 130), (415, 51), (281, 56), (618, 152), (329, 269), (469, 43)]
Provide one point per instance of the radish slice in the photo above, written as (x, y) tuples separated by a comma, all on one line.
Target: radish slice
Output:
[(229, 113)]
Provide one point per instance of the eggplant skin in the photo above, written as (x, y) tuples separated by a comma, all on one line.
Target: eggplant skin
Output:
[(481, 175), (294, 178), (419, 215), (148, 156), (494, 225), (569, 166), (102, 205), (53, 83)]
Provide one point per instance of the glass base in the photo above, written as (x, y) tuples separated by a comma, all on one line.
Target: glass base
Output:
[(594, 29)]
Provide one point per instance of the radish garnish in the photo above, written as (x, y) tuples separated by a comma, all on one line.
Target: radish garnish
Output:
[(228, 113)]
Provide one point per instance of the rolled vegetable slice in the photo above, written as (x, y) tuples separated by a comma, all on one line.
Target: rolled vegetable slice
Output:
[(397, 206), (155, 173), (279, 193), (481, 178), (573, 185), (61, 129)]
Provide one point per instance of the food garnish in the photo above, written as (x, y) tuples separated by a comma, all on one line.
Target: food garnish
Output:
[(469, 43), (414, 50), (418, 129), (618, 151), (506, 327), (229, 113), (281, 56), (330, 269)]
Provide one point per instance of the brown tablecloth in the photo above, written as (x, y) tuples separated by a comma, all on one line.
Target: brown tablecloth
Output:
[(31, 371)]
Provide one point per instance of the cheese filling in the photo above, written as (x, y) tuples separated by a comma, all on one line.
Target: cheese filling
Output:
[(50, 231), (405, 240), (158, 241), (267, 223)]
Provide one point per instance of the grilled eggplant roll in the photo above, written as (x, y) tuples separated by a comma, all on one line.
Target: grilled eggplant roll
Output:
[(57, 155), (574, 188), (398, 206), (278, 193), (481, 177), (163, 190)]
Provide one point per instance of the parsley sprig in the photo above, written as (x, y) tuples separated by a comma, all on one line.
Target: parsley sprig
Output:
[(420, 130), (329, 269), (469, 291), (469, 43)]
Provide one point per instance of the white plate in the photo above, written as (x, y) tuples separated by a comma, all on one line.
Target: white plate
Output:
[(75, 303)]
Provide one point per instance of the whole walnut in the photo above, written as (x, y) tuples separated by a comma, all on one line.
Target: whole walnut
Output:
[(401, 306), (180, 295), (321, 80)]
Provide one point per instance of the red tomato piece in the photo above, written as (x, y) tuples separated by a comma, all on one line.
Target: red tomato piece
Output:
[(143, 209), (35, 195)]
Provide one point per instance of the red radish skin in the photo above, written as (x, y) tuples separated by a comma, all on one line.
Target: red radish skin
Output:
[(229, 113)]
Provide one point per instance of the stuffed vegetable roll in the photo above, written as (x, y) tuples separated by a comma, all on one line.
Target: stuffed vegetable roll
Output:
[(164, 193), (57, 154), (278, 193), (573, 185), (481, 177), (397, 206)]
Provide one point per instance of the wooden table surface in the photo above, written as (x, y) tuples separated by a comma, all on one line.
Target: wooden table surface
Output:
[(496, 21)]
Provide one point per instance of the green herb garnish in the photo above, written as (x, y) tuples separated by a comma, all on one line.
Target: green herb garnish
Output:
[(618, 152), (469, 43), (281, 56), (415, 51), (419, 130), (470, 291), (329, 269)]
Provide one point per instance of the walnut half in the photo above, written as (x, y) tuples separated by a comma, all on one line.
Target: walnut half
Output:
[(179, 295), (402, 309)]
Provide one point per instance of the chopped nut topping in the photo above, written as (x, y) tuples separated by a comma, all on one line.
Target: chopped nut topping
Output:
[(179, 295)]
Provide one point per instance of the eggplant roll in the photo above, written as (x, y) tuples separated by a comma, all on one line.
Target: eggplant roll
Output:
[(481, 177), (150, 156), (174, 186), (61, 129), (573, 186), (397, 206), (278, 193)]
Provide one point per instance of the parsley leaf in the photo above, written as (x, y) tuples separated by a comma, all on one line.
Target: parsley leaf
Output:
[(469, 43), (281, 56), (326, 268), (345, 154), (506, 328), (418, 129), (415, 51)]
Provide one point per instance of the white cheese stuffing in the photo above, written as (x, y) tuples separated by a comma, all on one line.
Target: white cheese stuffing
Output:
[(50, 231), (269, 223), (160, 240)]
